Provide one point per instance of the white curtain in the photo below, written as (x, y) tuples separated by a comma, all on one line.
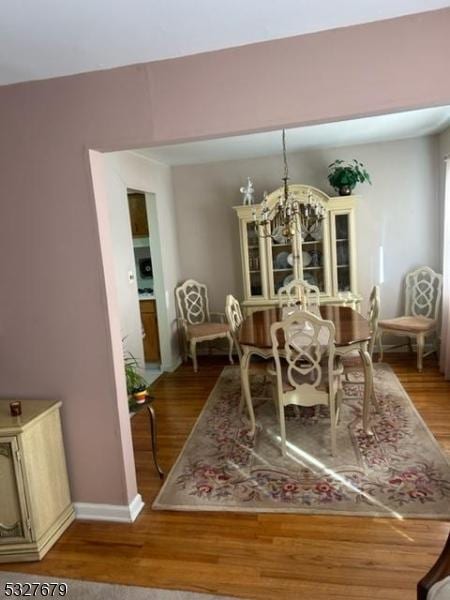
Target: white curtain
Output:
[(445, 334)]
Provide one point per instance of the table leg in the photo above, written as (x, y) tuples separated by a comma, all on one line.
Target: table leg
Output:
[(245, 382), (368, 385), (152, 418)]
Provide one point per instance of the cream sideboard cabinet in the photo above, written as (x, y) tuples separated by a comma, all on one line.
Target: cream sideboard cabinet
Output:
[(326, 258), (35, 505)]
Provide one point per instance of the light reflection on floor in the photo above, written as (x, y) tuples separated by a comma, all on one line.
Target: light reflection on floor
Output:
[(297, 454)]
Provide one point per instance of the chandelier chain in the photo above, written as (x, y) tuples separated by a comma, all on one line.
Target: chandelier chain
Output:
[(290, 215)]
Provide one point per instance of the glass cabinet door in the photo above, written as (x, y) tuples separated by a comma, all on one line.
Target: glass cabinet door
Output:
[(343, 257), (281, 259), (254, 265), (314, 258)]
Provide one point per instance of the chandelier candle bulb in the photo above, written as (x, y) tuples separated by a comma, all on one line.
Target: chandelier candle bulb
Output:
[(290, 215)]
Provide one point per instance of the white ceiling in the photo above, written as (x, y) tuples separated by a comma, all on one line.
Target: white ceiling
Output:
[(327, 135), (48, 38)]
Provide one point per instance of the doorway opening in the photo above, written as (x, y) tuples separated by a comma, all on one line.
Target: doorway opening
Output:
[(147, 277)]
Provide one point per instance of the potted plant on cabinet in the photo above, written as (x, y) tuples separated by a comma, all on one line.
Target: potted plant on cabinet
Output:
[(136, 383), (344, 175)]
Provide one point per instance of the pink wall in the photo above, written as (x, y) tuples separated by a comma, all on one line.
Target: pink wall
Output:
[(55, 337)]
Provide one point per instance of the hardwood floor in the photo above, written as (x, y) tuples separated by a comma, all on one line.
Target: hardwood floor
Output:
[(254, 555)]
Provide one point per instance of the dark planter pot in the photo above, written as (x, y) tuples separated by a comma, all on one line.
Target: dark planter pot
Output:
[(345, 190)]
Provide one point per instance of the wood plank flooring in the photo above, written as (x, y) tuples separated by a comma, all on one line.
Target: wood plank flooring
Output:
[(254, 555)]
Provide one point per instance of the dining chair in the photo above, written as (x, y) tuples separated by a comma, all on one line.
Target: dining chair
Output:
[(352, 360), (423, 291), (307, 371), (435, 585), (299, 292), (234, 317), (196, 319)]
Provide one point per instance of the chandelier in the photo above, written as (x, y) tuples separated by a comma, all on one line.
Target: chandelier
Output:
[(289, 215)]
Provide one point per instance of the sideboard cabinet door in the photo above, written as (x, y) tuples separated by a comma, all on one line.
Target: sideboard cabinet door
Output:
[(14, 520), (35, 505)]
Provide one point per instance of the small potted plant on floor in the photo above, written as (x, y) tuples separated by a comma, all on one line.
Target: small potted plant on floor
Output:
[(136, 383), (344, 175)]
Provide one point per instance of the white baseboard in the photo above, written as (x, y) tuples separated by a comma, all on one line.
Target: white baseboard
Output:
[(173, 366), (119, 513)]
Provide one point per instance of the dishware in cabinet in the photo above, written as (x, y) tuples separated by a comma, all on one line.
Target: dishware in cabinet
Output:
[(315, 258), (318, 255), (343, 251)]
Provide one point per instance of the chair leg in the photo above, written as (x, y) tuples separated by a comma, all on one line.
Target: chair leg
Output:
[(333, 424), (230, 352), (420, 344), (375, 402), (436, 345), (380, 346), (282, 426), (193, 345), (339, 395), (411, 349), (241, 402), (184, 349)]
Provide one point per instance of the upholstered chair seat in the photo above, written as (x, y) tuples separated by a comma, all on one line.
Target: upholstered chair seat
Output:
[(440, 590), (206, 329), (409, 324)]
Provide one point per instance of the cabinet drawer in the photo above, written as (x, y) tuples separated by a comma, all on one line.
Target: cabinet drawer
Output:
[(148, 306)]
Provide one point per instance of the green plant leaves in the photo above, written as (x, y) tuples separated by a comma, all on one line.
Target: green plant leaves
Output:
[(344, 173), (134, 380)]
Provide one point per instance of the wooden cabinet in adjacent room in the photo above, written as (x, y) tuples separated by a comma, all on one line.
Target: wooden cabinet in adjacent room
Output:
[(35, 504), (138, 215), (150, 322)]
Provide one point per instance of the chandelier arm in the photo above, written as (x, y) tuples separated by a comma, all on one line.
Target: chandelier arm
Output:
[(290, 213)]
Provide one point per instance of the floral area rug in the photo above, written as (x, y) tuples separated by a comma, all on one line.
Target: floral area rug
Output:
[(398, 471)]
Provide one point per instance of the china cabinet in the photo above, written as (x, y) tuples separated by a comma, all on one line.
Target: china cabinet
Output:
[(325, 257), (35, 505)]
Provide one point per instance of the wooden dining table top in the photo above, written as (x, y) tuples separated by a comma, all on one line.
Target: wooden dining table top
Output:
[(350, 326)]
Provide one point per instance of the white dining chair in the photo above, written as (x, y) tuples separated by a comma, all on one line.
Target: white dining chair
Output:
[(235, 319), (196, 319), (423, 291), (299, 293), (352, 360), (307, 372)]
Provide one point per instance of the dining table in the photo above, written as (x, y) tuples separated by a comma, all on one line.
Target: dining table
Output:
[(352, 334)]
